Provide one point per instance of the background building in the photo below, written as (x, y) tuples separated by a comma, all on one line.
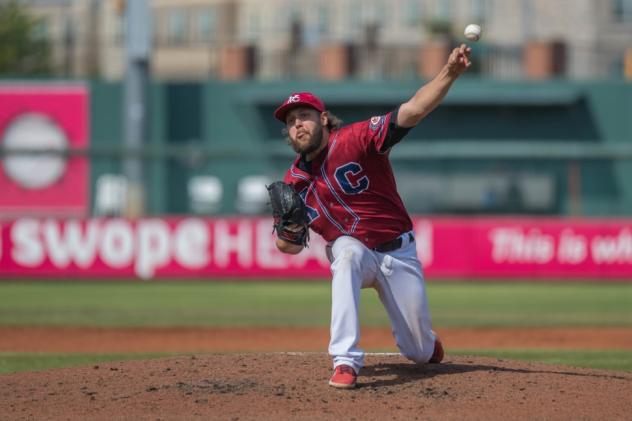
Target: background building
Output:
[(324, 39)]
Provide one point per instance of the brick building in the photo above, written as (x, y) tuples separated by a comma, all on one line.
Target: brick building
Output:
[(327, 39)]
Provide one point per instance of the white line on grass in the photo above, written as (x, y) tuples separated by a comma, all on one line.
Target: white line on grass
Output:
[(371, 354)]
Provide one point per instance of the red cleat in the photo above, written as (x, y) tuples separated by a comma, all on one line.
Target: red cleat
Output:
[(344, 377), (437, 354)]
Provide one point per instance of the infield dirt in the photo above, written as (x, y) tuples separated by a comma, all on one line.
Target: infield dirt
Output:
[(284, 386)]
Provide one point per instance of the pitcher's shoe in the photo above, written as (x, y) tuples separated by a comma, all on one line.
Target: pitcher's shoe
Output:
[(344, 377), (437, 354)]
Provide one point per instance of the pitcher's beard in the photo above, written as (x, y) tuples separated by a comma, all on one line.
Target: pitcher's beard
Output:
[(313, 144)]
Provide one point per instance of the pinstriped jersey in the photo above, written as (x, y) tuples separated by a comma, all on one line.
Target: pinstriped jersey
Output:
[(349, 188)]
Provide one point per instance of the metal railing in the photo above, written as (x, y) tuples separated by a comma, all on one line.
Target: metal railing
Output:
[(411, 151)]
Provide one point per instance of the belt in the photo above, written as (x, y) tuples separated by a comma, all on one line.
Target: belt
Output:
[(394, 244)]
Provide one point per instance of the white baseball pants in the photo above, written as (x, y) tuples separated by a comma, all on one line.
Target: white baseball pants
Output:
[(397, 276)]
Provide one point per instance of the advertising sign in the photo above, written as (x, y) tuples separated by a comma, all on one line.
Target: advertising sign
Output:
[(502, 248), (44, 117)]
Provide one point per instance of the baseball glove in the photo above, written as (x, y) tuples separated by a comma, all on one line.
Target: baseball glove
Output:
[(290, 215)]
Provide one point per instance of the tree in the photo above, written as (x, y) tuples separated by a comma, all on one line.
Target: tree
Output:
[(22, 52)]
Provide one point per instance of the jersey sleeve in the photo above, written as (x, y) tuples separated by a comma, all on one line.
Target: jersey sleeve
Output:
[(380, 133), (395, 133)]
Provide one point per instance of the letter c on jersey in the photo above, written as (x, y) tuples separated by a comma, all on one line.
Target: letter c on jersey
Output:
[(342, 177)]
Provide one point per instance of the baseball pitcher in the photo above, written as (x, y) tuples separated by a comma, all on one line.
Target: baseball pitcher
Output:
[(342, 187)]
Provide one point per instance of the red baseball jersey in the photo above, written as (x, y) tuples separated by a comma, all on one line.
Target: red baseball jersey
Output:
[(349, 189)]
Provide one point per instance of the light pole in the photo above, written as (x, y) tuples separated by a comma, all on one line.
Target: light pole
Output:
[(138, 53)]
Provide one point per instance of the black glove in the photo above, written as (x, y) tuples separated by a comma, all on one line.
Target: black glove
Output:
[(290, 215)]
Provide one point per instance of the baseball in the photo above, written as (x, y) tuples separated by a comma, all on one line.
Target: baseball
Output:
[(473, 32)]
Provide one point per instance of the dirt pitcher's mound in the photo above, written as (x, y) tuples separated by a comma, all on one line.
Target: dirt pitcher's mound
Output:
[(282, 386)]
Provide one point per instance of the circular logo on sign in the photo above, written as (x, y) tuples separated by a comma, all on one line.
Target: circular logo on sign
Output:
[(36, 132)]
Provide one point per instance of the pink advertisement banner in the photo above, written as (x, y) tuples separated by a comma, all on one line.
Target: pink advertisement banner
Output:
[(42, 116), (190, 247)]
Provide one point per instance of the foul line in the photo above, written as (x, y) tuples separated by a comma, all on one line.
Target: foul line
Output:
[(373, 354)]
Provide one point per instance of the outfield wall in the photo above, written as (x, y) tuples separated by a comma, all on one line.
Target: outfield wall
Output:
[(244, 247)]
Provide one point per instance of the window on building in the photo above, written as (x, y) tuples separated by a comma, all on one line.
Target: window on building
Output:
[(119, 29), (381, 13), (369, 12), (296, 34), (254, 24), (155, 25), (412, 13), (176, 26), (206, 24), (478, 10), (354, 13), (294, 15), (323, 18), (444, 10), (158, 26), (622, 10), (283, 19)]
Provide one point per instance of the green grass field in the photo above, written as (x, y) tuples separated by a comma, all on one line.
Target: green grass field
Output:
[(287, 303)]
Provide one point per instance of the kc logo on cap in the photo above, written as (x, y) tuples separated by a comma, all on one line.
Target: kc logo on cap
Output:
[(293, 98), (299, 99)]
